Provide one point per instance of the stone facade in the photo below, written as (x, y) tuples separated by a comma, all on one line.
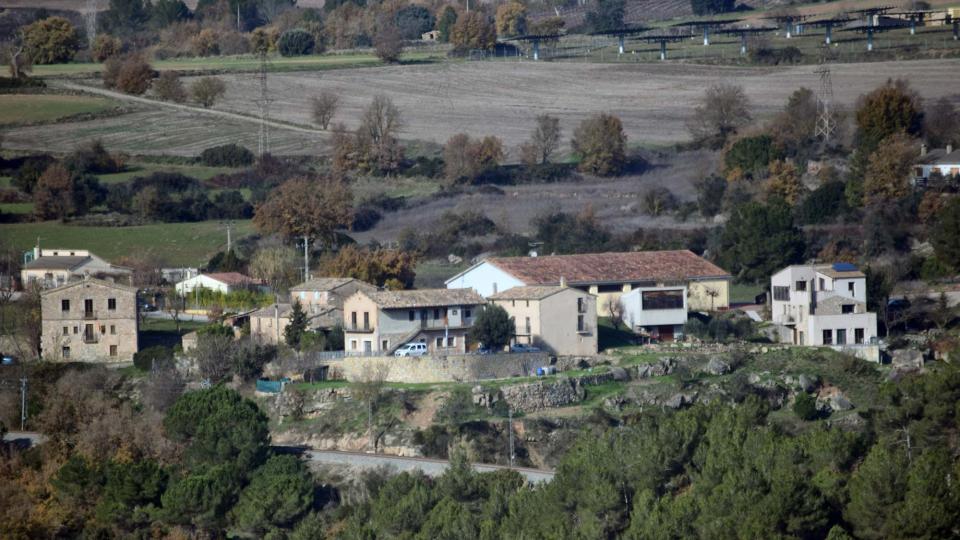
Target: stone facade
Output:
[(89, 321)]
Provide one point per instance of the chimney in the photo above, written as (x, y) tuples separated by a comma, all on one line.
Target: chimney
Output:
[(949, 148), (563, 281), (923, 149)]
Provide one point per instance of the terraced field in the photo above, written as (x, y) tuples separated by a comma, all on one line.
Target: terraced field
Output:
[(33, 108)]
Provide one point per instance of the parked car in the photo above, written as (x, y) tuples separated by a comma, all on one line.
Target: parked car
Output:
[(7, 360), (483, 349), (522, 347), (148, 307), (412, 349)]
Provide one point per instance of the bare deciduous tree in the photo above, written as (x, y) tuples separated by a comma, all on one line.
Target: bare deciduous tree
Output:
[(367, 389), (214, 357), (173, 305), (278, 265), (164, 386), (725, 108), (324, 108), (614, 308), (544, 141)]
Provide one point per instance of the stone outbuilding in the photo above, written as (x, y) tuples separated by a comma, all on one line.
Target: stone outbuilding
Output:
[(561, 320)]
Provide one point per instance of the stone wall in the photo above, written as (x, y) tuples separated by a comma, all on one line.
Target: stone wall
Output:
[(438, 369)]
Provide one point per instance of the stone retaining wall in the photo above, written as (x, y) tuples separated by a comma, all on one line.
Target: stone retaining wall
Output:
[(438, 369)]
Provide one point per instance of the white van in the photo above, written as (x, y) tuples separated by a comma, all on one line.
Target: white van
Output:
[(412, 349)]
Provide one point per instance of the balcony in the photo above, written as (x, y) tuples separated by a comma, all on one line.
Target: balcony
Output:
[(89, 315), (358, 329), (91, 338)]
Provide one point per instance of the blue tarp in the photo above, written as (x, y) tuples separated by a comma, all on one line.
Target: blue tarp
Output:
[(272, 387)]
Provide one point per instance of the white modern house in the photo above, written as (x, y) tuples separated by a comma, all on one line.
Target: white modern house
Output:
[(824, 305), (656, 312), (222, 282)]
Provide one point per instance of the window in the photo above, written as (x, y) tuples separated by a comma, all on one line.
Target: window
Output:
[(366, 320), (828, 337), (113, 329), (411, 314), (66, 352), (353, 319), (76, 329), (112, 304), (103, 329), (581, 325), (66, 330), (846, 308), (353, 344), (466, 313), (851, 287), (781, 293), (801, 286), (841, 336), (113, 350), (64, 305), (439, 342), (436, 314), (385, 345), (451, 342), (858, 336), (528, 303), (823, 284), (662, 300), (88, 306), (527, 325)]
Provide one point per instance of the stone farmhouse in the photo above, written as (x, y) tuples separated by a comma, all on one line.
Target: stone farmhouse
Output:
[(49, 268), (561, 320), (378, 322), (606, 275), (824, 305), (322, 300), (90, 320)]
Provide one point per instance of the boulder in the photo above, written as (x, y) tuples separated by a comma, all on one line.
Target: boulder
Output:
[(619, 374), (907, 358), (839, 402), (808, 383), (679, 400), (716, 366)]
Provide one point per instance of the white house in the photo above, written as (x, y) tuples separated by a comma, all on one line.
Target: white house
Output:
[(50, 268), (659, 312), (825, 306), (605, 275), (945, 161), (223, 282)]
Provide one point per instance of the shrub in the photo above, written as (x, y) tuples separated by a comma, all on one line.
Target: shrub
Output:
[(130, 74), (151, 357), (208, 90), (388, 44), (169, 87), (752, 154), (206, 43), (296, 42), (227, 155), (805, 407), (51, 40), (106, 47), (601, 145)]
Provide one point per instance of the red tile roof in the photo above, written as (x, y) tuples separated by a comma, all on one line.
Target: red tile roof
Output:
[(233, 278), (590, 268)]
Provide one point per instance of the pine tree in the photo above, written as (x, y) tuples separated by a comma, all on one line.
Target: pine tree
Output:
[(294, 331)]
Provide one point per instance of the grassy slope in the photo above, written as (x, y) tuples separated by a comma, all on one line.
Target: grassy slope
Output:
[(30, 108), (176, 243), (200, 172)]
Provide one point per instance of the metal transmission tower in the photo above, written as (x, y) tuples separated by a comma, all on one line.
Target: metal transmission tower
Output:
[(263, 105), (826, 121), (90, 20)]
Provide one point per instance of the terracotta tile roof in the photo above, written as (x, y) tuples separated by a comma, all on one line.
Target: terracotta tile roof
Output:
[(326, 284), (535, 292), (422, 298), (327, 317), (92, 281), (233, 278), (610, 267)]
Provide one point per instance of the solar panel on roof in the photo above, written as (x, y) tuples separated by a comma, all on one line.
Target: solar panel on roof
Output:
[(844, 267)]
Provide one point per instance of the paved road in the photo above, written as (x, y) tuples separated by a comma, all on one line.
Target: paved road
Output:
[(199, 110), (430, 467), (183, 316)]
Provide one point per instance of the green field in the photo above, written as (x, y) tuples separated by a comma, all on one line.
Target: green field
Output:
[(200, 172), (245, 63), (16, 208), (175, 244), (32, 108)]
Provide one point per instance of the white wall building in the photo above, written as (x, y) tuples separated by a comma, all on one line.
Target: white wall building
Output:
[(945, 161), (659, 312), (825, 306), (222, 282)]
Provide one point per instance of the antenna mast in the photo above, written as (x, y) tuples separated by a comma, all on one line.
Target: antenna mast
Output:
[(826, 121)]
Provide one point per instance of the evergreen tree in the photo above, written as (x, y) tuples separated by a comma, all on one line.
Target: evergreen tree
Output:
[(293, 333), (493, 327)]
